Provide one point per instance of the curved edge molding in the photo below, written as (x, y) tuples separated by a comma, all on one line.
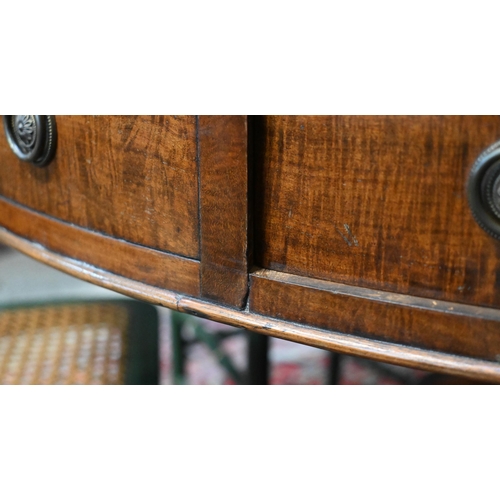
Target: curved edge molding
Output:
[(343, 343)]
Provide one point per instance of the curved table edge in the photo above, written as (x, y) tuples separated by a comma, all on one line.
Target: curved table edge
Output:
[(342, 343)]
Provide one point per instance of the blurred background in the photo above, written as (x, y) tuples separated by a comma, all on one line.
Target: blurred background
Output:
[(204, 360)]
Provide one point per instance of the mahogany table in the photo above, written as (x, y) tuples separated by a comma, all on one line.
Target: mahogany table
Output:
[(368, 235)]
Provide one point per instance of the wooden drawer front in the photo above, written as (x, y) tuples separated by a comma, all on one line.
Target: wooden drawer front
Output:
[(378, 202), (129, 177)]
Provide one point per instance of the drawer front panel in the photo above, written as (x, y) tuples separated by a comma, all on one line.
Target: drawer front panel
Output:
[(378, 202), (130, 177)]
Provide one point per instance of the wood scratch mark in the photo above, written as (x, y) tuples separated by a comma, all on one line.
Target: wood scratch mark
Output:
[(348, 230), (343, 237), (350, 239)]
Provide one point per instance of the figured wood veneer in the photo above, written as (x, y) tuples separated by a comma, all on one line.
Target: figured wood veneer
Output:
[(121, 258), (224, 208), (357, 228), (129, 177), (424, 323), (375, 201)]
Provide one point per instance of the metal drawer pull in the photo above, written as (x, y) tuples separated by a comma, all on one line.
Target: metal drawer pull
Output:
[(33, 138), (483, 190)]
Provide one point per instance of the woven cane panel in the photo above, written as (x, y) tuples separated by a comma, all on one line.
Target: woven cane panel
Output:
[(68, 344)]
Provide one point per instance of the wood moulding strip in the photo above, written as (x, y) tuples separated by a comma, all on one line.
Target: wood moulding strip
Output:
[(117, 256), (347, 344), (441, 326)]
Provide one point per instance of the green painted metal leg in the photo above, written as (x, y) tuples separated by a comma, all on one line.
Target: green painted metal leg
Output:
[(212, 342), (258, 346)]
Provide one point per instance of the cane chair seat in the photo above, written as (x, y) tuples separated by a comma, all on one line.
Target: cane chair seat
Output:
[(109, 342)]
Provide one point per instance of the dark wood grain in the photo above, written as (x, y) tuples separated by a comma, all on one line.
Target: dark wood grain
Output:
[(425, 323), (376, 201), (131, 177), (223, 206), (142, 264)]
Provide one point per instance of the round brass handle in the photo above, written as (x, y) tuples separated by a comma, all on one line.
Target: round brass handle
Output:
[(33, 138), (483, 190)]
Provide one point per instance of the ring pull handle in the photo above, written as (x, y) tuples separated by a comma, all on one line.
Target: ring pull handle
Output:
[(33, 138), (483, 190)]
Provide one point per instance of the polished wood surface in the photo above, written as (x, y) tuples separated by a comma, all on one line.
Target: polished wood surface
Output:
[(129, 177), (224, 208), (346, 233), (143, 264), (412, 321), (376, 201)]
